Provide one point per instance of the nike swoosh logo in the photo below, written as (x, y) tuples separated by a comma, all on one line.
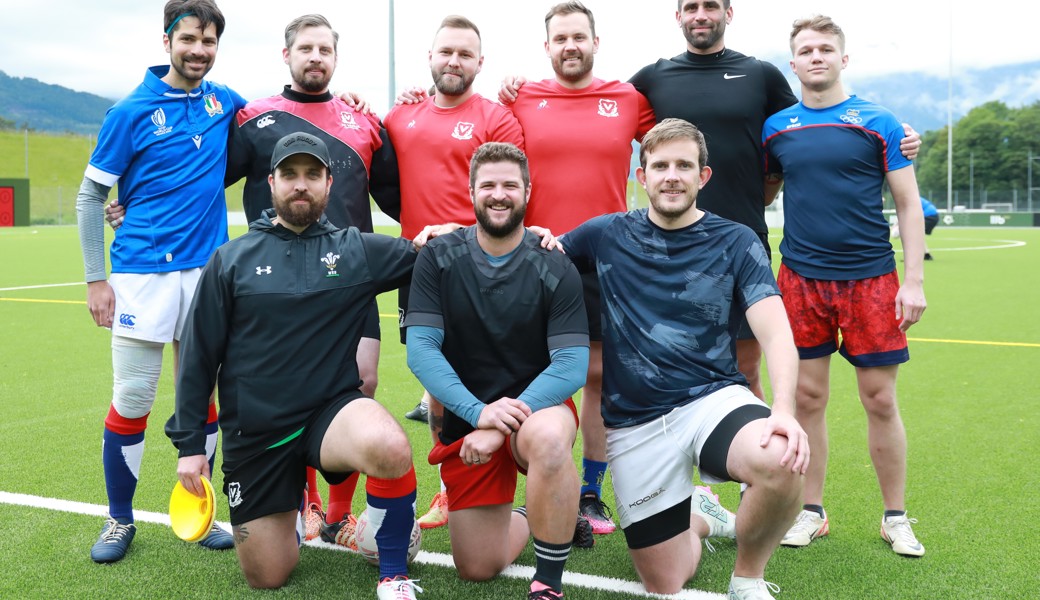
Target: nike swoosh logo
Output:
[(728, 76)]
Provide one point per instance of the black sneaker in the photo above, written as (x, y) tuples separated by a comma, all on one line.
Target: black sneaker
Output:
[(583, 533), (592, 508), (928, 256), (419, 413)]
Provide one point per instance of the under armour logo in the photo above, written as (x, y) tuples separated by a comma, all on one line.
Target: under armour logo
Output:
[(263, 270)]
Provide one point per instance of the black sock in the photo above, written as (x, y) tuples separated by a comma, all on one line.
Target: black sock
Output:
[(816, 508), (550, 560), (895, 513)]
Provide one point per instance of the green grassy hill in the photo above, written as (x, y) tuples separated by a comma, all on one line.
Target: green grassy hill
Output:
[(56, 164)]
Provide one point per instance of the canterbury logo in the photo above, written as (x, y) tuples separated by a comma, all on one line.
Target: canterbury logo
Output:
[(126, 320), (265, 121), (713, 509)]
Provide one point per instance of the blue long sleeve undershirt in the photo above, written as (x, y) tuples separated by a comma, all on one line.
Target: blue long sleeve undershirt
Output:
[(564, 375)]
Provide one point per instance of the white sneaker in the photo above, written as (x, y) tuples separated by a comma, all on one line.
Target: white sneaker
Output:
[(398, 588), (897, 531), (747, 588), (807, 527), (721, 522)]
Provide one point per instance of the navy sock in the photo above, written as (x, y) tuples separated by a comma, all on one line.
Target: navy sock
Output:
[(121, 458), (391, 509), (593, 472)]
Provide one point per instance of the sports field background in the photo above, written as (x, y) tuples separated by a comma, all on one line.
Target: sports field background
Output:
[(968, 400)]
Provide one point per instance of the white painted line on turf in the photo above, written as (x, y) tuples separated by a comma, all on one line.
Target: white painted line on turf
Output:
[(595, 582), (40, 287)]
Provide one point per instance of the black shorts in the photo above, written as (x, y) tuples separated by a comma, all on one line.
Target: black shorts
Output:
[(272, 480), (371, 327), (930, 223), (743, 329), (590, 290)]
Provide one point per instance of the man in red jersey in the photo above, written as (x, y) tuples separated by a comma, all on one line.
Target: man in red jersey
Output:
[(434, 140), (577, 123)]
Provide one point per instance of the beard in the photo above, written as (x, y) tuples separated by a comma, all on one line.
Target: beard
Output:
[(451, 88), (310, 83), (190, 73), (572, 73), (672, 210), (703, 41), (503, 229), (297, 215)]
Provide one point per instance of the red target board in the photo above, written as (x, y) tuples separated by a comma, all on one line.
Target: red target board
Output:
[(6, 207)]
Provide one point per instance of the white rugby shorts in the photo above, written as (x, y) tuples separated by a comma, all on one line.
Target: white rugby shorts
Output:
[(652, 464), (153, 306)]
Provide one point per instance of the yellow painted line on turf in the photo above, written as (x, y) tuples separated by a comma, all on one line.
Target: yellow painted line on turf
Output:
[(42, 301), (977, 342), (524, 573)]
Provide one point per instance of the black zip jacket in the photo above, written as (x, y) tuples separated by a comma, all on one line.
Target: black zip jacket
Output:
[(275, 322)]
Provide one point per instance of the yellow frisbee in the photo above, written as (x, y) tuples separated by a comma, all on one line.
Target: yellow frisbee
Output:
[(192, 517)]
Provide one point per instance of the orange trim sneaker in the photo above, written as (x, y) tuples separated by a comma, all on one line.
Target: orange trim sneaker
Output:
[(437, 516), (807, 527), (343, 533), (314, 518)]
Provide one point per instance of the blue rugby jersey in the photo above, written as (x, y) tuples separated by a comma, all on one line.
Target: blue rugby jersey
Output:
[(834, 162), (167, 150)]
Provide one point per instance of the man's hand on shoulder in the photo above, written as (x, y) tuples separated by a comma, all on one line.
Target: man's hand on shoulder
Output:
[(510, 88)]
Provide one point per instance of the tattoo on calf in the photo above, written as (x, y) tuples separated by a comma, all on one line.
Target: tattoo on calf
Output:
[(240, 534)]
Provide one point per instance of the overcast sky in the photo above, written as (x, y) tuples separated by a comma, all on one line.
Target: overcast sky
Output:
[(104, 46)]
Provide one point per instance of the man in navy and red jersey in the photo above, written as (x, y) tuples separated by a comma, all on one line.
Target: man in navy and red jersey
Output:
[(166, 146), (363, 162), (673, 398), (434, 140), (728, 96), (838, 274), (497, 333), (572, 123)]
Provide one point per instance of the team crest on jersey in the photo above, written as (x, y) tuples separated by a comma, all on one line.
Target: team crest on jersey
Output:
[(463, 131), (608, 108), (159, 120), (234, 494), (213, 106), (348, 120), (852, 117), (330, 263)]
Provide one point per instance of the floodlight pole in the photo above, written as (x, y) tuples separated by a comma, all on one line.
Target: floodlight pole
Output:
[(949, 123)]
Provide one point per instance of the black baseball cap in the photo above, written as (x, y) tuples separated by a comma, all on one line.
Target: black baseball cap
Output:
[(299, 143)]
